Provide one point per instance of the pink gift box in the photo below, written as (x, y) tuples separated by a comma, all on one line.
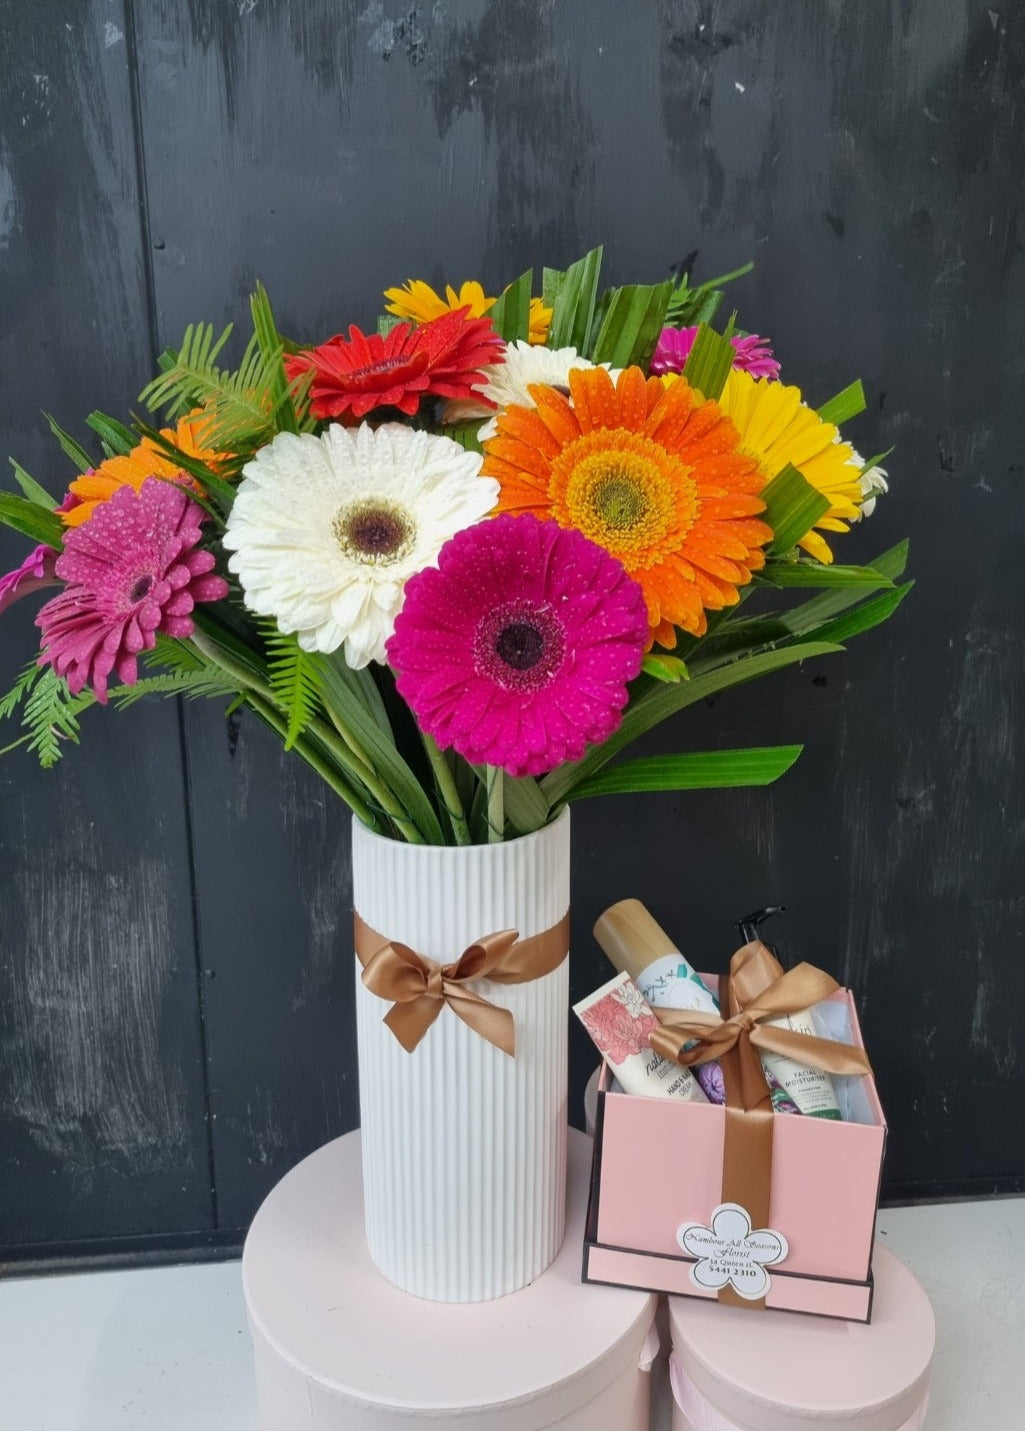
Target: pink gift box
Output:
[(658, 1165)]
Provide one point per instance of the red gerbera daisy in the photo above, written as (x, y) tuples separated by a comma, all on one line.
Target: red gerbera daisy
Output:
[(353, 375)]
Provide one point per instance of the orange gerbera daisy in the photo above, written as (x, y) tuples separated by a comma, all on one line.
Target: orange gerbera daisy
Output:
[(651, 474), (146, 460)]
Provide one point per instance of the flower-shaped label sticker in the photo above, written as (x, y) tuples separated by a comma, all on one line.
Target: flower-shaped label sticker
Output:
[(730, 1252)]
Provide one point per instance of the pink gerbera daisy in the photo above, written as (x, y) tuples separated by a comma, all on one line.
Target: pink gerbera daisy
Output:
[(133, 569), (35, 572), (753, 354), (516, 649)]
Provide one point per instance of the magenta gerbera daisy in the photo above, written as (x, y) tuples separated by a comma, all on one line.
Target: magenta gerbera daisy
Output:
[(132, 570), (752, 354), (517, 648), (35, 572)]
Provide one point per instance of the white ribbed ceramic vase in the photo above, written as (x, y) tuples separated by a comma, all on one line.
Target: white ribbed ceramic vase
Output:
[(464, 1147)]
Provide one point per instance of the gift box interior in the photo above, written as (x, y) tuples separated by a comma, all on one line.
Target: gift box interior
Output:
[(657, 1165)]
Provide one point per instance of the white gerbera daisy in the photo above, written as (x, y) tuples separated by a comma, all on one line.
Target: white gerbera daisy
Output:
[(874, 482), (327, 530), (525, 363)]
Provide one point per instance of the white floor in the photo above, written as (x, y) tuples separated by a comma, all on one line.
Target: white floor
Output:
[(168, 1350)]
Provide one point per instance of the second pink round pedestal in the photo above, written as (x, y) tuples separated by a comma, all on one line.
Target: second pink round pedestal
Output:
[(339, 1348), (740, 1370)]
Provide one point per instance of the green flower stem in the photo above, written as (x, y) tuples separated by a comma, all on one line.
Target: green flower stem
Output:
[(324, 768), (381, 792), (358, 751), (447, 789), (496, 804), (325, 734)]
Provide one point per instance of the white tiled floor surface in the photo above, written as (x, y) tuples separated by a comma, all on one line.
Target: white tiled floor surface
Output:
[(168, 1350)]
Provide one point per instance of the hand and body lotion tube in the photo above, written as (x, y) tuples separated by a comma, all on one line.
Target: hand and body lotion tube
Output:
[(636, 944), (620, 1021)]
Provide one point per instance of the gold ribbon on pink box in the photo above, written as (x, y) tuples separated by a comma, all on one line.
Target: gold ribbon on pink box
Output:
[(755, 990), (419, 988)]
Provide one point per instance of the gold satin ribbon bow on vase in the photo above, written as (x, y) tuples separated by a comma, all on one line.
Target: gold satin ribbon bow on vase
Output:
[(420, 988), (755, 990)]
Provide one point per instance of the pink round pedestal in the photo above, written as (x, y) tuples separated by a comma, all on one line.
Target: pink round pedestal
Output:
[(740, 1370), (338, 1348)]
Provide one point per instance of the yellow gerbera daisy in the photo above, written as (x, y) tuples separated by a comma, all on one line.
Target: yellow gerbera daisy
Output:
[(652, 475), (775, 428), (146, 460), (540, 321), (417, 302)]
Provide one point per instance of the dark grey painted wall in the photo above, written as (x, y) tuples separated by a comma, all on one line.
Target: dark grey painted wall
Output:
[(175, 1018)]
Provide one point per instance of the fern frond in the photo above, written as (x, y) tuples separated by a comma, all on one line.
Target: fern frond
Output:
[(293, 679), (195, 362), (18, 692), (176, 656), (192, 684), (242, 408), (51, 716)]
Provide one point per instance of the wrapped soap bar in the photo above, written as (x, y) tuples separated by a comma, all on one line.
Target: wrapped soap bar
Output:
[(620, 1022)]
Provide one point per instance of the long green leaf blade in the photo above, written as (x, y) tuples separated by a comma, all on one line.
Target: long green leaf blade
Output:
[(34, 493), (571, 294), (633, 318), (377, 740), (814, 574), (72, 449), (265, 329), (511, 311), (31, 520), (707, 770), (709, 362), (865, 617), (792, 507), (844, 405), (660, 701), (116, 436), (810, 616)]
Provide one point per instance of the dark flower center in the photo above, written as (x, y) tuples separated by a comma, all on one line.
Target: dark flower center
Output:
[(142, 588), (561, 388), (520, 645), (374, 531), (379, 376)]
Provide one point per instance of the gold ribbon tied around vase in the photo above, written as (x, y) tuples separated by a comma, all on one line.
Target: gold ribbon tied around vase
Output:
[(755, 991), (419, 988)]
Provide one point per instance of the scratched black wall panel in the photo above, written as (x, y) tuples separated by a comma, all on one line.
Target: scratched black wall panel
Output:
[(869, 157), (102, 1134), (272, 851)]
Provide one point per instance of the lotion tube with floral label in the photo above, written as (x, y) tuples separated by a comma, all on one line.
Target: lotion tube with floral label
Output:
[(620, 1022)]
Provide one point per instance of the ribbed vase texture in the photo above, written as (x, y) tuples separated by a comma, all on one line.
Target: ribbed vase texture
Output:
[(464, 1148)]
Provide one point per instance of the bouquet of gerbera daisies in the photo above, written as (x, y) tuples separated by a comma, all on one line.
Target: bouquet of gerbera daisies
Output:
[(458, 563)]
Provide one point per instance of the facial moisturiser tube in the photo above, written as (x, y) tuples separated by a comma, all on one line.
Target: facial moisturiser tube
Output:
[(810, 1088), (620, 1021), (637, 945)]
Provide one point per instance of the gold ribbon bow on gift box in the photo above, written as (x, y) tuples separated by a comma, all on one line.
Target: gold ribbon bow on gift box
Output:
[(420, 987), (755, 990)]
